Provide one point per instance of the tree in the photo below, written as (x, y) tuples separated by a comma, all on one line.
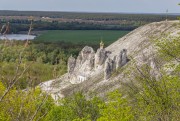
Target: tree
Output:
[(116, 108), (24, 105), (76, 108)]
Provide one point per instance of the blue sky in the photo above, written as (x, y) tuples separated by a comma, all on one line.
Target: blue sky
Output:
[(130, 6)]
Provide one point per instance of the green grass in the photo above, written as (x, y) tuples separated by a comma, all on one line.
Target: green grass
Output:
[(89, 37)]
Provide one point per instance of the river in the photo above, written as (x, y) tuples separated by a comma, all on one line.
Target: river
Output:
[(17, 37)]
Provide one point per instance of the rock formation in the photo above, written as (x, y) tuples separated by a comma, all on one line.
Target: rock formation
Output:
[(108, 68), (100, 57), (136, 43), (71, 64), (85, 59), (124, 58), (113, 64), (78, 69), (121, 59)]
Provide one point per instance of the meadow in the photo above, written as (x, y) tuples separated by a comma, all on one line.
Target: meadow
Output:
[(89, 37)]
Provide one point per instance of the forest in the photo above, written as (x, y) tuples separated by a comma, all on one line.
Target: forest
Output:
[(19, 21)]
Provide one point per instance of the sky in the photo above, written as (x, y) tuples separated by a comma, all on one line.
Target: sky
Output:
[(117, 6)]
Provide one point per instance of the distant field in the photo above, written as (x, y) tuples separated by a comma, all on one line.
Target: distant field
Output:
[(90, 37)]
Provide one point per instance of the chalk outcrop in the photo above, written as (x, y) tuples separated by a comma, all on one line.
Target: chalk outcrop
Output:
[(109, 68), (115, 63), (79, 69), (88, 62), (85, 59), (121, 59), (100, 57), (92, 72), (71, 64)]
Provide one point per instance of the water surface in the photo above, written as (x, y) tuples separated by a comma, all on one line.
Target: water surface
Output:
[(17, 37)]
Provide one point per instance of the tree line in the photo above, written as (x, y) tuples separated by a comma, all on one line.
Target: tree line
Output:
[(91, 21)]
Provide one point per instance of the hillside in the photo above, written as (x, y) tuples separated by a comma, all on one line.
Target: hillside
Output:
[(100, 72)]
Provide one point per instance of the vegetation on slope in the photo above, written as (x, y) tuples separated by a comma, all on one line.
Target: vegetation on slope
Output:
[(41, 62), (150, 98)]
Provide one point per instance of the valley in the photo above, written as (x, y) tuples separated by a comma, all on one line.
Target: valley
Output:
[(78, 66)]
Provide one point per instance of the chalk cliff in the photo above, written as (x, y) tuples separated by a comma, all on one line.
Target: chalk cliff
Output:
[(94, 71)]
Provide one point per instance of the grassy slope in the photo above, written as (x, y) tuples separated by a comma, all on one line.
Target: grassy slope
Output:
[(81, 36)]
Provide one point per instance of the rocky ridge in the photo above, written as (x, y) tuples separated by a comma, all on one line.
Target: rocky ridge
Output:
[(92, 72)]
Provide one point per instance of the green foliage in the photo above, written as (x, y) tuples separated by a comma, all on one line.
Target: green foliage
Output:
[(23, 105), (169, 52), (169, 48), (116, 108), (157, 99), (35, 74), (76, 108), (50, 54), (42, 62)]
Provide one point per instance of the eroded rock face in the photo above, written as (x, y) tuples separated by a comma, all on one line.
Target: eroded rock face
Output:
[(121, 59), (71, 64), (109, 68), (113, 64), (100, 57), (124, 57), (85, 59), (80, 68)]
